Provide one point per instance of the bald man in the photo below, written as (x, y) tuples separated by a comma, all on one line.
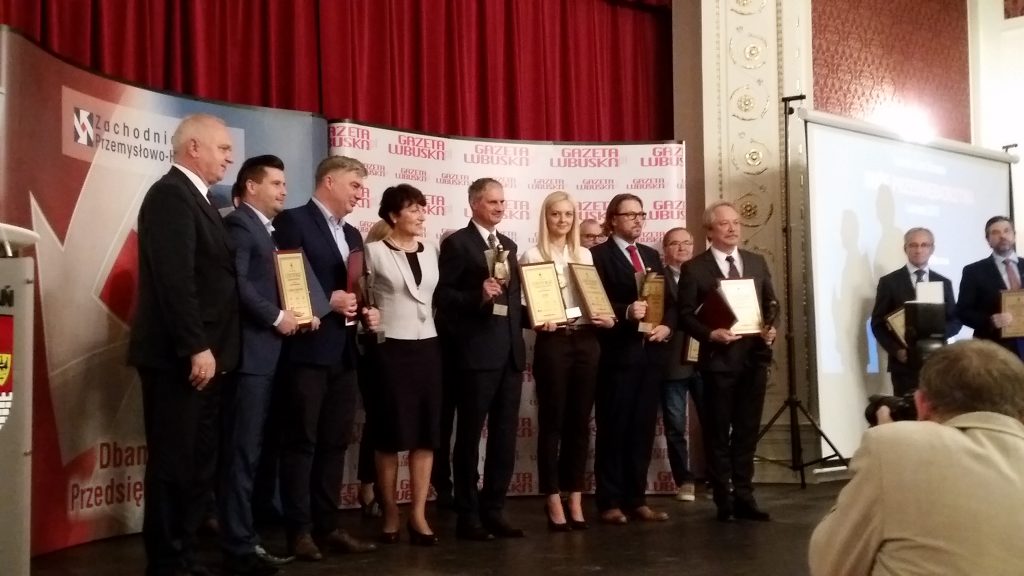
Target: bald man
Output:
[(185, 334)]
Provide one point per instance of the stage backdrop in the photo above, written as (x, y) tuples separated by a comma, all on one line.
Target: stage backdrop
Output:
[(444, 167), (79, 152)]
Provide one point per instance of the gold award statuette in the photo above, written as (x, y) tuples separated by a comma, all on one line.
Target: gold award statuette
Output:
[(543, 294), (652, 291), (591, 290), (1013, 302), (498, 261), (292, 286)]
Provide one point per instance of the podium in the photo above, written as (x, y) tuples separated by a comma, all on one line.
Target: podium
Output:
[(17, 295)]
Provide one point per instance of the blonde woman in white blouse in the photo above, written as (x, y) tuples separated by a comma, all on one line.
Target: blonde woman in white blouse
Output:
[(565, 364)]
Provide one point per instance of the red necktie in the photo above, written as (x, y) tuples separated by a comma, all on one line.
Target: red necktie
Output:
[(1012, 275), (635, 258)]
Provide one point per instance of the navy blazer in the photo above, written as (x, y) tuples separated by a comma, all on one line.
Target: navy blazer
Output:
[(305, 227), (187, 294), (482, 340), (894, 290), (697, 279), (623, 344), (257, 291), (980, 288)]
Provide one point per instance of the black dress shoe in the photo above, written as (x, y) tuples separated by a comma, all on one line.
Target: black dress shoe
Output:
[(474, 532), (501, 529), (724, 514), (271, 559), (247, 565), (750, 511), (417, 538)]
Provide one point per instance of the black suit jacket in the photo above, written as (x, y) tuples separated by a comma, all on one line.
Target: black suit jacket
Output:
[(482, 340), (980, 288), (306, 228), (187, 294), (623, 344), (257, 289), (698, 278), (894, 290)]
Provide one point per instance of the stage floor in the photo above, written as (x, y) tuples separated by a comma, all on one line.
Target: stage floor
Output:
[(690, 543)]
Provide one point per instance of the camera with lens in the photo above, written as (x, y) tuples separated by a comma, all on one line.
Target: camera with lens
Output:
[(925, 333)]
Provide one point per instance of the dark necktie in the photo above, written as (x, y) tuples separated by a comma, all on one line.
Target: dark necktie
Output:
[(492, 241), (1012, 275), (638, 266), (920, 276), (734, 272)]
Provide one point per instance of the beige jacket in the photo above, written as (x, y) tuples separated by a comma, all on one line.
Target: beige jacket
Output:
[(930, 499)]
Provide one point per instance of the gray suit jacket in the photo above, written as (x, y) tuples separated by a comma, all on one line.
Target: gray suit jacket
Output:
[(929, 498)]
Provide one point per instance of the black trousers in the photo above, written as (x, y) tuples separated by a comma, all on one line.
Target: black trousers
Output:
[(441, 473), (627, 411), (493, 395), (733, 405), (904, 381), (182, 431), (565, 370), (320, 413)]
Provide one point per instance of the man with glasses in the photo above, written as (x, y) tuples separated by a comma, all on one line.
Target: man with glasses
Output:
[(591, 233), (632, 366), (680, 376), (982, 283), (894, 290)]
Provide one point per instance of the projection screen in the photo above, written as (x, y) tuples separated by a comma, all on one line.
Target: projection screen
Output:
[(866, 188)]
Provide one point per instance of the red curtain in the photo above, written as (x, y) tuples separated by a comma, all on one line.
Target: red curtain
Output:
[(580, 70)]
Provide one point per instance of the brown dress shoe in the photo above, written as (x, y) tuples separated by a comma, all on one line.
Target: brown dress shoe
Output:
[(614, 516), (645, 514), (303, 548), (341, 541)]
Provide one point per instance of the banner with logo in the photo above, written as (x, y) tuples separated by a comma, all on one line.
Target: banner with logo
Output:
[(442, 168), (79, 152)]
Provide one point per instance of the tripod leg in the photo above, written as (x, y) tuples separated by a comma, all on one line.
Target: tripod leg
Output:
[(822, 434), (772, 421), (796, 445)]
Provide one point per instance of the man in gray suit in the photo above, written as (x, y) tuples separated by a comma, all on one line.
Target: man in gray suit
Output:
[(941, 495), (680, 376), (260, 192)]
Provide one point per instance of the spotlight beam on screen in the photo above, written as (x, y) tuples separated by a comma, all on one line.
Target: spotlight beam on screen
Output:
[(866, 187)]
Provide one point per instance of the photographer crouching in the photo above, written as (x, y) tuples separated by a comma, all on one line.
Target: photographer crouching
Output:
[(944, 494)]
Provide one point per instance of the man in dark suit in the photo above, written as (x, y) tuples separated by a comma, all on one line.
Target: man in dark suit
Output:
[(321, 365), (185, 335), (898, 287), (734, 368), (632, 367), (260, 191), (485, 314), (982, 283)]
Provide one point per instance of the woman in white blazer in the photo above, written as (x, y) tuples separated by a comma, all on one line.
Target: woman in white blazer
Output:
[(564, 369), (402, 277)]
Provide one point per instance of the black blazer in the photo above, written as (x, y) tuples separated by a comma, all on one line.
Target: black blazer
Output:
[(482, 341), (623, 344), (697, 279), (187, 294), (257, 290), (305, 227), (980, 288), (894, 290)]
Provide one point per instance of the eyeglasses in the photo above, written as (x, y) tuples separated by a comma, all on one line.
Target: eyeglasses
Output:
[(591, 236), (678, 243), (915, 245), (633, 215)]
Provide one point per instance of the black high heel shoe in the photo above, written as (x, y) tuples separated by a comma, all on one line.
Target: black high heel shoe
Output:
[(578, 524), (388, 537), (371, 509), (417, 538), (555, 526)]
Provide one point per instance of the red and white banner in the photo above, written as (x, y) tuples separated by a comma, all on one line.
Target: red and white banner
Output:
[(442, 168)]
